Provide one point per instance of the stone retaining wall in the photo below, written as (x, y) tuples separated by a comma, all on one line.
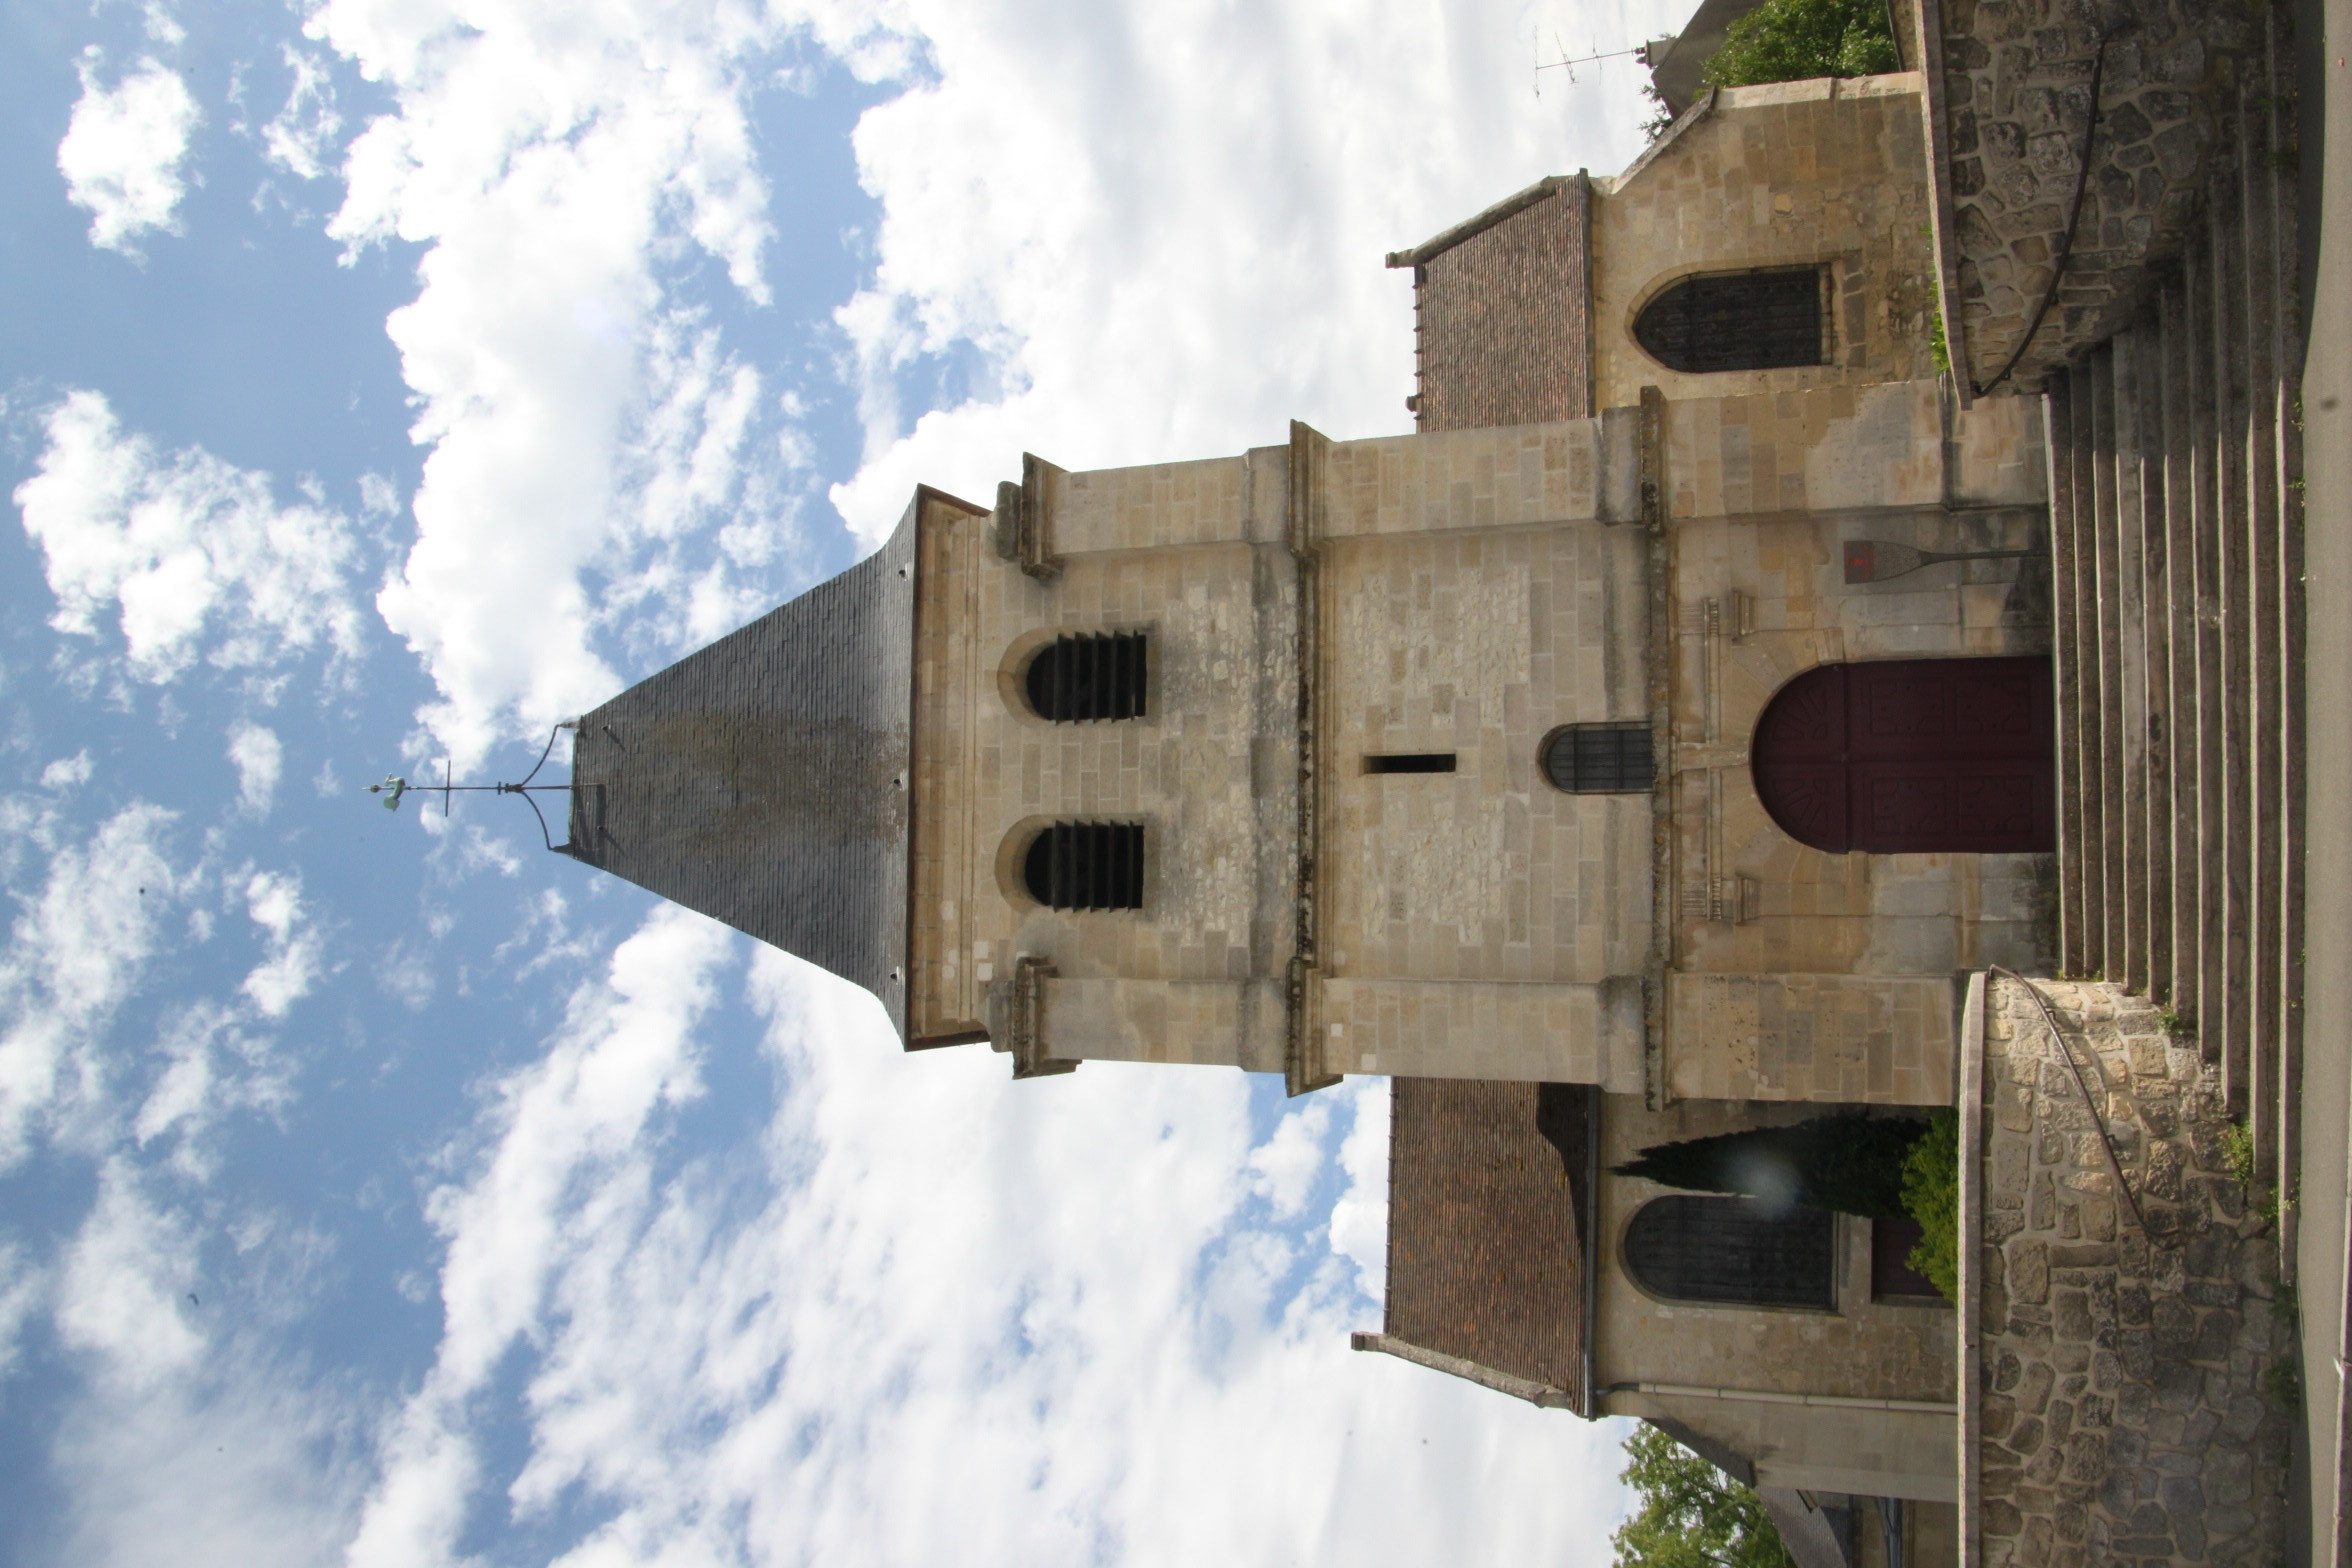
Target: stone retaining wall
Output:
[(2014, 95), (2136, 1388)]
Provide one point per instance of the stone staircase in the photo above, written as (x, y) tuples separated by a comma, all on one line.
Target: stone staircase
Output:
[(2176, 516)]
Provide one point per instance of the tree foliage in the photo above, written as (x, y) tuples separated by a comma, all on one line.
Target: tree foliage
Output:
[(1692, 1515), (1931, 1191), (1848, 1162), (1797, 40)]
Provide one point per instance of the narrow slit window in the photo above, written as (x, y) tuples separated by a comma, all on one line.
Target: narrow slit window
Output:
[(1599, 759), (1765, 319), (1410, 762), (1086, 865), (1088, 677)]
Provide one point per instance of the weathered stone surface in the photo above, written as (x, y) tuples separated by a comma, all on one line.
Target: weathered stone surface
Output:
[(2124, 1412), (2018, 118)]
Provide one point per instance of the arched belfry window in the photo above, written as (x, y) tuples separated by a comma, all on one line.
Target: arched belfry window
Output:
[(1763, 319), (1095, 675), (1086, 865), (1734, 1252), (1598, 759)]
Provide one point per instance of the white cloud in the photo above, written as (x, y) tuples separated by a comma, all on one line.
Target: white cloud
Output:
[(301, 138), (1162, 229), (77, 951), (180, 548), (119, 1292), (184, 1443), (123, 150), (67, 772), (573, 1122), (161, 26), (83, 944), (1286, 1166), (1359, 1219), (23, 1287), (1077, 1310), (259, 760), (581, 418), (235, 1463), (285, 976), (182, 1095), (1139, 252), (378, 496)]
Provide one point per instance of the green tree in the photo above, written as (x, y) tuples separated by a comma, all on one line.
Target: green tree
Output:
[(1797, 40), (1847, 1162), (1692, 1515)]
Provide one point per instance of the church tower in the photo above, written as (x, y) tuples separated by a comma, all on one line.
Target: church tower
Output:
[(1690, 748)]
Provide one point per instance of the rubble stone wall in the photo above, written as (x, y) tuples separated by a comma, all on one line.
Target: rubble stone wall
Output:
[(2137, 1386), (2174, 90)]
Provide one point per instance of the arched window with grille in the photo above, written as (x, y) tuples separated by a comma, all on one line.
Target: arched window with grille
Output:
[(1598, 759), (1733, 1252), (1766, 318), (1086, 865), (1087, 677)]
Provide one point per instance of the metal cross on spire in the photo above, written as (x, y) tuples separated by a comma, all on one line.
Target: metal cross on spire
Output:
[(395, 786)]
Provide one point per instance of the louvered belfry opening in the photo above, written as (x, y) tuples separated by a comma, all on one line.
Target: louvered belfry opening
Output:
[(1765, 319), (1735, 1251), (1095, 675), (1086, 865), (1599, 759)]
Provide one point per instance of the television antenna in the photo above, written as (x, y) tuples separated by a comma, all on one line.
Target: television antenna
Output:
[(1569, 64), (394, 787)]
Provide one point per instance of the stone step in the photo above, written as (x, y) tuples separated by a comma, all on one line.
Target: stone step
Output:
[(2284, 181), (2258, 216), (2080, 896), (2176, 557), (2141, 350), (2181, 634)]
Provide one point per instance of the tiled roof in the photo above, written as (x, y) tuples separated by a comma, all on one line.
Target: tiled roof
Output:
[(1486, 1184), (1502, 311), (761, 781)]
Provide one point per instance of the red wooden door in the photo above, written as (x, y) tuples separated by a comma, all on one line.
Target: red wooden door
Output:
[(1910, 755)]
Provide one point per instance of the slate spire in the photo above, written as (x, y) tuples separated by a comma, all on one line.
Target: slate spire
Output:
[(763, 780)]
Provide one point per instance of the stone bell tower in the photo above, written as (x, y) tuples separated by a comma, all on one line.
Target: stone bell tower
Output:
[(1330, 757)]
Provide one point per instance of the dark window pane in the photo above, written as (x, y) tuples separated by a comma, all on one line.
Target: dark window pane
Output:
[(1761, 320), (1734, 1251), (1599, 759), (1891, 1276), (1086, 865), (1097, 675), (1411, 762)]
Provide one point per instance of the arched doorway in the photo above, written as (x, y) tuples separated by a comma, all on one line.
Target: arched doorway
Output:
[(1910, 755)]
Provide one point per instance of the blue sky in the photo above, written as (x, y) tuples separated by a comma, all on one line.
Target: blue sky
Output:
[(386, 380)]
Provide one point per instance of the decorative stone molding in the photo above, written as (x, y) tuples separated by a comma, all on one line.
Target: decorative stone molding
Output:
[(1025, 1034), (1303, 1058), (1024, 518)]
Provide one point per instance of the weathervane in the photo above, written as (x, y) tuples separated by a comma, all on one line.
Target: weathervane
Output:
[(395, 786)]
